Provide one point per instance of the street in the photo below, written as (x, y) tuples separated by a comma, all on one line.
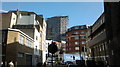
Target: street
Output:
[(57, 66)]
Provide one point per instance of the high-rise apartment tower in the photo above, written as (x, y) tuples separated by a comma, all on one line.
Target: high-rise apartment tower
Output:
[(56, 28)]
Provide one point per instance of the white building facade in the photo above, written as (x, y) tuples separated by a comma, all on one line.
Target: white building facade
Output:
[(31, 27), (44, 45)]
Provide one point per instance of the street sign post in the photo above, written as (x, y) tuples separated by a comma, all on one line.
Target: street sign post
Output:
[(52, 48)]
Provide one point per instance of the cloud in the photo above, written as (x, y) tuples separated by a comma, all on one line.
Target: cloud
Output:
[(3, 11)]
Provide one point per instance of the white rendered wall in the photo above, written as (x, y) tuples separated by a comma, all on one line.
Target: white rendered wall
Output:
[(44, 56), (36, 50), (44, 45), (13, 20), (36, 43)]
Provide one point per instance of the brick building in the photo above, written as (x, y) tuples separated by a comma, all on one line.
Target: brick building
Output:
[(76, 39)]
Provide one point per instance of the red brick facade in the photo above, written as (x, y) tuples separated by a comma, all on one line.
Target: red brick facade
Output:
[(75, 39)]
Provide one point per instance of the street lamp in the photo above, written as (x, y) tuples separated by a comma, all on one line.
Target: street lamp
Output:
[(85, 55), (48, 51)]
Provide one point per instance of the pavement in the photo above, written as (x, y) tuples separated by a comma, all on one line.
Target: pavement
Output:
[(56, 66)]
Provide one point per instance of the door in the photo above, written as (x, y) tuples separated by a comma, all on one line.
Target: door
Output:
[(28, 60)]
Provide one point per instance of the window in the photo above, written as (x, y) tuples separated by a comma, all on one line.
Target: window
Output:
[(28, 43), (76, 42), (36, 37), (83, 42), (69, 29), (100, 48), (67, 39), (103, 47), (66, 34), (84, 49), (36, 48), (76, 48), (40, 34), (76, 27), (68, 44), (3, 36), (20, 55), (21, 41), (83, 32), (82, 27), (76, 37), (13, 18), (83, 37), (76, 32)]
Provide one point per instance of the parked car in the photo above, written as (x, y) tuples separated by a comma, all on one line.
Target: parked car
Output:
[(71, 64), (50, 62)]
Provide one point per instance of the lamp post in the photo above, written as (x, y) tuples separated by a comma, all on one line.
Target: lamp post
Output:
[(85, 55), (52, 48), (48, 51)]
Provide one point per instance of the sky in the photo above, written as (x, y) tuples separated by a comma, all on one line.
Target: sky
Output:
[(79, 13)]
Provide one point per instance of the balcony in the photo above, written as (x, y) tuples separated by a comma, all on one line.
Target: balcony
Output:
[(23, 26), (26, 27), (97, 39)]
